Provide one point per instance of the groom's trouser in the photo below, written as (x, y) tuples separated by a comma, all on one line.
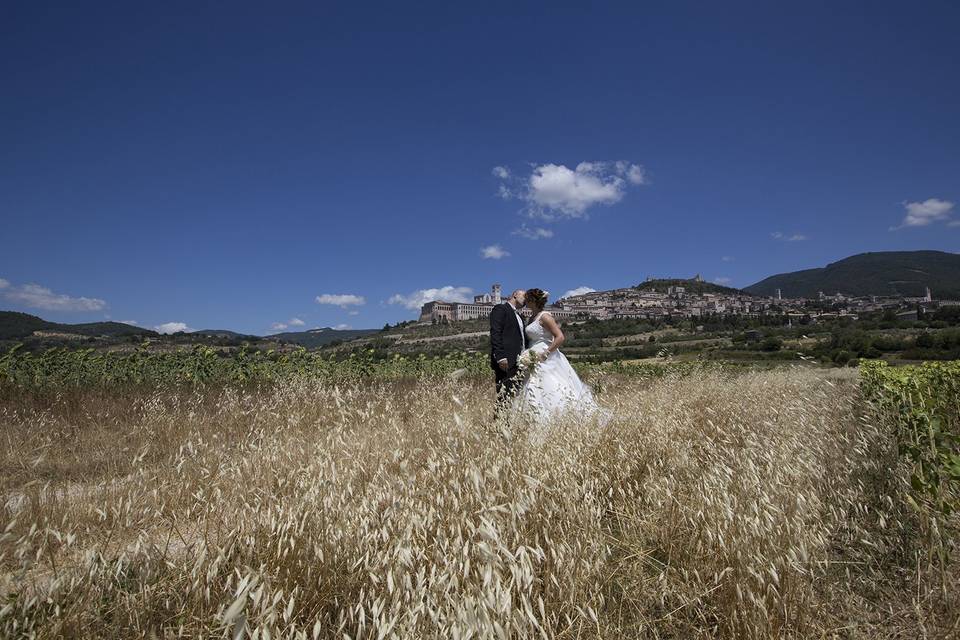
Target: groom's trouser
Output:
[(508, 383)]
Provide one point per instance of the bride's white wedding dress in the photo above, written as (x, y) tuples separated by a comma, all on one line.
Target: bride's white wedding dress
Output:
[(553, 387)]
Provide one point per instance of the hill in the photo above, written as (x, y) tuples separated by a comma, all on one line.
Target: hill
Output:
[(881, 273), (691, 285), (18, 325), (220, 333), (320, 337), (22, 327), (15, 325), (109, 329)]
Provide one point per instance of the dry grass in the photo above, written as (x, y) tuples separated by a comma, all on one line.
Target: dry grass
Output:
[(760, 505)]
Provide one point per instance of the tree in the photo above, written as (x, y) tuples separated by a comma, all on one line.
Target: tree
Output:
[(842, 357), (771, 343)]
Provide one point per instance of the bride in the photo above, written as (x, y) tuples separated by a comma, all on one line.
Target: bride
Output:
[(553, 387)]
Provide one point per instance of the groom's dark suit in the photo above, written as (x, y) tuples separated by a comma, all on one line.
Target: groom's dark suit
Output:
[(506, 341)]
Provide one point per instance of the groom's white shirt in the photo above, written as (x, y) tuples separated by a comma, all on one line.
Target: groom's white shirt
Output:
[(523, 335)]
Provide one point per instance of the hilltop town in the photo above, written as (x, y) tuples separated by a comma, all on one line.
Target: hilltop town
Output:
[(690, 298)]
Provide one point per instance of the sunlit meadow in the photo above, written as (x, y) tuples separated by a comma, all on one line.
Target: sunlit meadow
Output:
[(731, 504)]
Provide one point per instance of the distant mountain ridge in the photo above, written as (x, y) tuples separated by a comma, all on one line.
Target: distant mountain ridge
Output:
[(319, 337), (219, 333), (882, 273), (14, 325)]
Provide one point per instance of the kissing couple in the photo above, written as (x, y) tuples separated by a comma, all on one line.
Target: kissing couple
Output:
[(531, 373)]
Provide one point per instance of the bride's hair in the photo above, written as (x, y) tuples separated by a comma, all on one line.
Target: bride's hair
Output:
[(538, 296)]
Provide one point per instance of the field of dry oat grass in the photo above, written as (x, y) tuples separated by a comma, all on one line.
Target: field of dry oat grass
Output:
[(759, 504)]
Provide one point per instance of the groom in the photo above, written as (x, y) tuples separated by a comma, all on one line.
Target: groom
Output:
[(507, 340)]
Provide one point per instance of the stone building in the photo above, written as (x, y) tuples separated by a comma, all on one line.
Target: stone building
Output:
[(438, 311), (489, 298), (482, 305)]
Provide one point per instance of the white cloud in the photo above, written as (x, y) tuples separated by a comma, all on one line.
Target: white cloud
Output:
[(494, 252), (353, 313), (727, 258), (134, 322), (722, 280), (533, 233), (292, 322), (501, 172), (342, 327), (571, 192), (173, 327), (796, 237), (420, 297), (341, 299), (579, 291), (4, 283), (554, 190), (920, 214), (634, 172), (954, 223), (33, 295)]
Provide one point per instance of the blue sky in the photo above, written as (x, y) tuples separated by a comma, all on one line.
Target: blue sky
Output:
[(238, 165)]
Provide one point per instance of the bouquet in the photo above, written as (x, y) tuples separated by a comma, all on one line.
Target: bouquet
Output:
[(528, 361)]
